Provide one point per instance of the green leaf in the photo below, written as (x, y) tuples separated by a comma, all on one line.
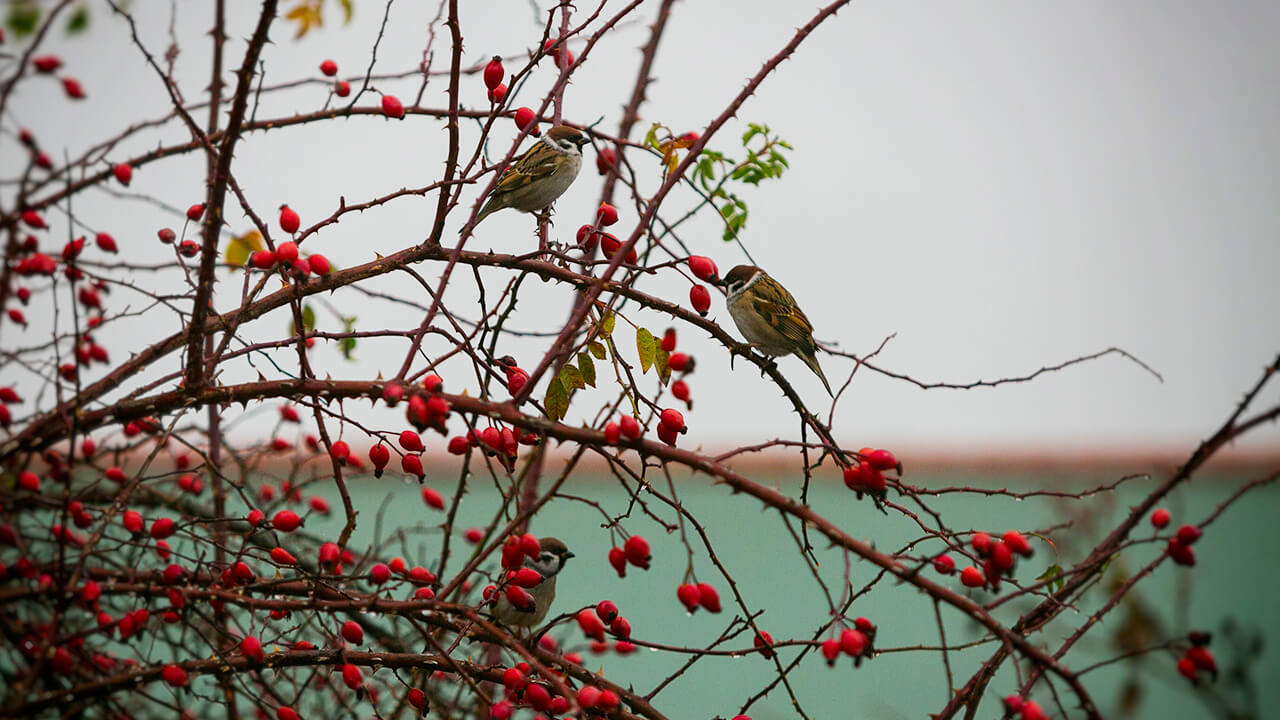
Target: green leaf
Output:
[(646, 346), (557, 400), (79, 20), (598, 350), (660, 360), (23, 18), (308, 317), (571, 377), (348, 344), (347, 10), (587, 367), (240, 248), (1053, 574), (606, 324)]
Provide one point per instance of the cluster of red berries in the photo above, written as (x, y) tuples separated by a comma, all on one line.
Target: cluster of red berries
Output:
[(1179, 548), (698, 595), (681, 363), (49, 64), (594, 621), (998, 559), (494, 74), (635, 551), (521, 690), (1025, 709), (703, 268), (857, 642), (867, 475), (1198, 658), (286, 256), (341, 88), (516, 579)]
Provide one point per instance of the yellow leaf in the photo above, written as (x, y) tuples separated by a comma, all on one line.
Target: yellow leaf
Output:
[(305, 15), (240, 248)]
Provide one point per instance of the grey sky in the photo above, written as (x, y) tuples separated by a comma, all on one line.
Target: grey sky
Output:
[(1004, 185)]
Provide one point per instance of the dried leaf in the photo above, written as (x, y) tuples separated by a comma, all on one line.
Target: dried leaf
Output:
[(598, 350), (606, 324), (572, 378)]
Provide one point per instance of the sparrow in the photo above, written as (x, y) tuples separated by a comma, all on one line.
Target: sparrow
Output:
[(540, 175), (769, 318), (548, 564)]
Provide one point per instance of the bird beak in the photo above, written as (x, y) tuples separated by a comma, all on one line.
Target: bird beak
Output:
[(567, 555)]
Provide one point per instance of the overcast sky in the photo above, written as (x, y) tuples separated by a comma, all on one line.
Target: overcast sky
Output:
[(1003, 185)]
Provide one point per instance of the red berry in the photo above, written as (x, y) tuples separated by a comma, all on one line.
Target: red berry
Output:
[(391, 107), (1203, 658), (764, 643), (72, 88), (700, 299), (319, 264), (289, 219), (46, 63), (412, 464), (285, 712), (703, 268), (287, 252), (972, 577), (166, 235), (33, 219), (591, 624), (944, 564), (1187, 668), (329, 67), (351, 676), (498, 94), (123, 173), (853, 642), (251, 647), (606, 160), (1017, 542), (981, 543), (342, 88), (106, 242), (1002, 556), (708, 598), (417, 698), (611, 433), (494, 74), (283, 557), (189, 248), (525, 118), (689, 596), (286, 521), (379, 455), (637, 551), (673, 420), (458, 445), (606, 215), (29, 481), (195, 211), (409, 440), (1181, 553), (1160, 518), (881, 459), (680, 390), (162, 528), (630, 427), (1031, 711), (1188, 534), (618, 559), (174, 675), (607, 610), (432, 498), (132, 521), (352, 632)]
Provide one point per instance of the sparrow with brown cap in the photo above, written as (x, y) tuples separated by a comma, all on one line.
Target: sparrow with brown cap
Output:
[(768, 317), (539, 176)]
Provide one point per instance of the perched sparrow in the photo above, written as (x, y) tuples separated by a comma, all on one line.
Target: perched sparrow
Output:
[(550, 560), (540, 175), (769, 318)]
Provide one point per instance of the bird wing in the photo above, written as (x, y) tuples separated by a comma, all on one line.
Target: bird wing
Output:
[(536, 163), (773, 303)]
